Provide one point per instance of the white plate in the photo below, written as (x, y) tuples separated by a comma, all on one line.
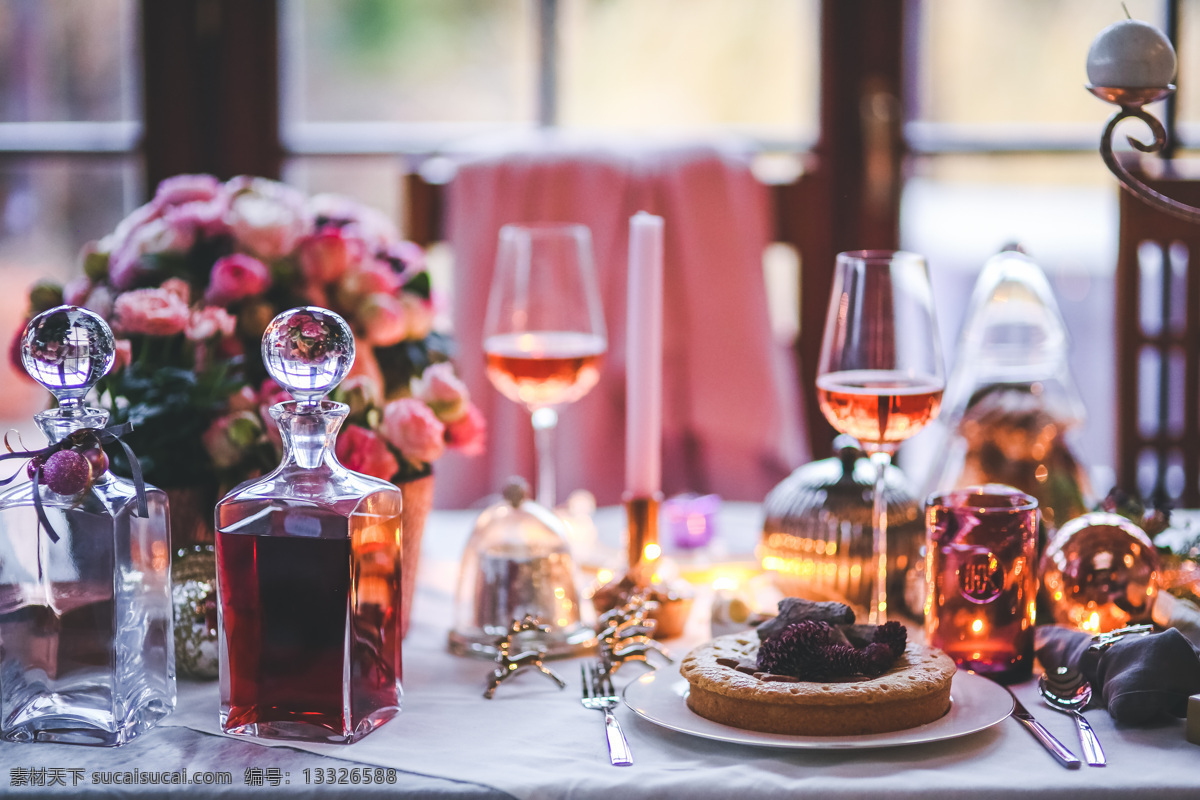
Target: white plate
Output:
[(975, 703)]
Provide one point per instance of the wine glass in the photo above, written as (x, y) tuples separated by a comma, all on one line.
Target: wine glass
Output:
[(543, 335), (880, 378)]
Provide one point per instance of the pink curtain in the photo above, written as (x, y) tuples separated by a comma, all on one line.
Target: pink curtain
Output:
[(731, 412)]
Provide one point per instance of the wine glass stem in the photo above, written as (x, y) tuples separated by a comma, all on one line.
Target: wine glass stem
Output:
[(877, 614), (545, 420)]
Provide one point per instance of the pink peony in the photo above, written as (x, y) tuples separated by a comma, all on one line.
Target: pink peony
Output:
[(468, 434), (383, 320), (363, 451), (236, 277), (266, 217), (181, 189), (209, 321), (442, 390), (152, 312), (325, 257), (123, 354), (413, 429)]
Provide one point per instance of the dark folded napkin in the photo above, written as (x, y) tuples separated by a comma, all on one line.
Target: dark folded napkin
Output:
[(1140, 678)]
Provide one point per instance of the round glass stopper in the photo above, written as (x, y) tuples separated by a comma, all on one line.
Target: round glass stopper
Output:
[(308, 351), (67, 349)]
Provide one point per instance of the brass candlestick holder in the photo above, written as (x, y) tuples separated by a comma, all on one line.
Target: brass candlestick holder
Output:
[(674, 600)]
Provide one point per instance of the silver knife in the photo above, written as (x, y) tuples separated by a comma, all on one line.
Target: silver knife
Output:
[(1056, 748)]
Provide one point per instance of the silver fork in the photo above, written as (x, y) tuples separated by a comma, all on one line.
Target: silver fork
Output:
[(598, 694)]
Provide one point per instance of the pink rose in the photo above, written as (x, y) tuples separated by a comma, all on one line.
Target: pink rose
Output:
[(127, 265), (370, 277), (362, 222), (100, 300), (409, 255), (468, 434), (244, 399), (362, 450), (178, 287), (325, 257), (418, 313), (206, 217), (413, 429), (152, 312), (209, 321), (122, 354), (270, 393), (236, 277), (360, 392), (266, 217), (382, 319), (181, 189), (76, 292), (228, 438), (442, 390)]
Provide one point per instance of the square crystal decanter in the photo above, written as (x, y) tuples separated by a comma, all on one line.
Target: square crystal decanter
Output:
[(308, 564), (87, 652)]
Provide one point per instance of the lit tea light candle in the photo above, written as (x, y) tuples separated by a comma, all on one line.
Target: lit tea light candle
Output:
[(1131, 54)]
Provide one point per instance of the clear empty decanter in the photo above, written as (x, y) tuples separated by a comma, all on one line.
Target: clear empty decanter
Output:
[(308, 564), (86, 643)]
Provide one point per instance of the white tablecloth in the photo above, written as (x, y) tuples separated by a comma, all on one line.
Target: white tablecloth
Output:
[(535, 741)]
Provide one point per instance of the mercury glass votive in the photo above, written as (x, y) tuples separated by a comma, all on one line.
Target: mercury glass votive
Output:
[(982, 579)]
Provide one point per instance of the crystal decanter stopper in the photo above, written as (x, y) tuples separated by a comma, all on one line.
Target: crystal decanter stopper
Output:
[(86, 643), (308, 563)]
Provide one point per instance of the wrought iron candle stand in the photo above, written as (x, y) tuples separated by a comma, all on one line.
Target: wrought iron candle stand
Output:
[(1132, 103)]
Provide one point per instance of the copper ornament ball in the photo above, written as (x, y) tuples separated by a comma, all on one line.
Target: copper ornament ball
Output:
[(1100, 573)]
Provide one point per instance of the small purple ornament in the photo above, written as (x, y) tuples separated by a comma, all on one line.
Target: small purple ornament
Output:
[(66, 472)]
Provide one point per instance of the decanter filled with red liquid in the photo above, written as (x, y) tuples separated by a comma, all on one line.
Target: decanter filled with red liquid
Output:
[(308, 564)]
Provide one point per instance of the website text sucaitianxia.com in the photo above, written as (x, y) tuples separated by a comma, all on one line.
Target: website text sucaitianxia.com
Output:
[(43, 777)]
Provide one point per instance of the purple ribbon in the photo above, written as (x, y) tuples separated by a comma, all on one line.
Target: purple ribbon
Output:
[(112, 433)]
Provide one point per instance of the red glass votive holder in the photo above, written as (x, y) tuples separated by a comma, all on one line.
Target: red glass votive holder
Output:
[(982, 579)]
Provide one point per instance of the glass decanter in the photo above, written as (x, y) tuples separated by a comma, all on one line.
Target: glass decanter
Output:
[(308, 564), (86, 644)]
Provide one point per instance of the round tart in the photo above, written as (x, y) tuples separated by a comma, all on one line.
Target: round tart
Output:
[(916, 690)]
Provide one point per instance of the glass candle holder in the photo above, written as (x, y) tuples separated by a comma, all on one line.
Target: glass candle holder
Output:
[(692, 519), (981, 551)]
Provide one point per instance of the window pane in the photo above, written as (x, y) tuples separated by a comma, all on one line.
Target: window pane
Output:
[(50, 208), (1013, 61), (65, 60), (751, 64), (408, 61)]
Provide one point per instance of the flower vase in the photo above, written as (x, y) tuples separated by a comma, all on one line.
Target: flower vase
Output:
[(418, 502), (194, 582)]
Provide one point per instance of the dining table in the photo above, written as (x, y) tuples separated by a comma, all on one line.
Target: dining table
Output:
[(534, 740)]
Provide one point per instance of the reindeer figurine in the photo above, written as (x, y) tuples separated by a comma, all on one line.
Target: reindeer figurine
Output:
[(508, 665), (627, 634)]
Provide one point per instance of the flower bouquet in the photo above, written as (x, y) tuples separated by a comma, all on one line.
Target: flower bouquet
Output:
[(189, 282)]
